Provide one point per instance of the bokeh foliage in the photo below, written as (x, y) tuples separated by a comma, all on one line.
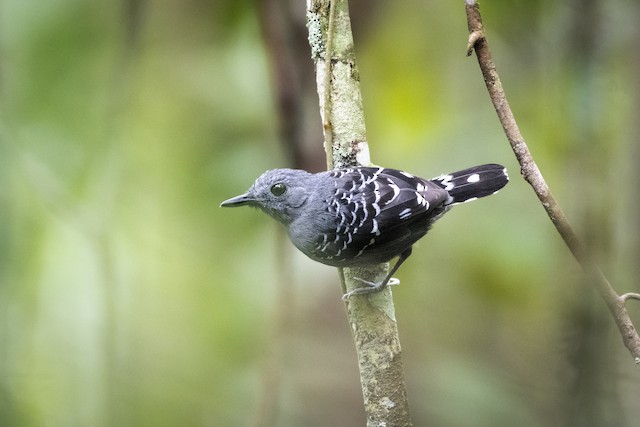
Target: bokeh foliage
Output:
[(127, 297)]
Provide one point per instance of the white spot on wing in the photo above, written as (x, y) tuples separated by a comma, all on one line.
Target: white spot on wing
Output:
[(376, 207), (365, 215), (473, 178), (343, 220), (406, 213), (422, 201), (446, 181), (363, 180), (396, 191), (374, 227)]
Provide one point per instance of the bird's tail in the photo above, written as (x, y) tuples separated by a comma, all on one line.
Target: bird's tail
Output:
[(473, 183)]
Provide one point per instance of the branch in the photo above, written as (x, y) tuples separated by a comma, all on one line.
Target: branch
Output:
[(531, 173), (372, 318)]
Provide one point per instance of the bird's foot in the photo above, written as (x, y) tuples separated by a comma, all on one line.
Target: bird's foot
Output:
[(371, 287)]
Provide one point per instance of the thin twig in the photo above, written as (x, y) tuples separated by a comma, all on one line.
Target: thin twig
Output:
[(531, 173), (630, 295)]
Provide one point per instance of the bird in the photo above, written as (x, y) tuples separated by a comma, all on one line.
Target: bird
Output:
[(358, 216)]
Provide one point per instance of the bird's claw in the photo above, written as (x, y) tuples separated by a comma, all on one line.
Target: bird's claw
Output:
[(370, 288)]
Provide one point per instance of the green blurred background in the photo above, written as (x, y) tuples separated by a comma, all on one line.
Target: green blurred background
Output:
[(129, 298)]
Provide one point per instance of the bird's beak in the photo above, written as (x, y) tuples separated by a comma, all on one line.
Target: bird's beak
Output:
[(240, 200)]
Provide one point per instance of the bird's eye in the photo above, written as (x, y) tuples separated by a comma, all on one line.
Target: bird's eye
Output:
[(278, 189)]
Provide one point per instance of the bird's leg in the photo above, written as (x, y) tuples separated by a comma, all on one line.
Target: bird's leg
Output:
[(372, 287)]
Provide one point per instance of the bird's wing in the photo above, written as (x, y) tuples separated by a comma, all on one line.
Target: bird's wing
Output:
[(376, 206)]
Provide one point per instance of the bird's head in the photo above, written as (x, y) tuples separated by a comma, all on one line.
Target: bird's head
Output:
[(278, 192)]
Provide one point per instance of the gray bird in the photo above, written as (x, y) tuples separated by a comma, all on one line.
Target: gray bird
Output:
[(363, 215)]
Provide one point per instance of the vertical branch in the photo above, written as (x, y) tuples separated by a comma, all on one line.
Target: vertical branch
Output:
[(531, 173), (344, 117), (372, 318), (326, 106)]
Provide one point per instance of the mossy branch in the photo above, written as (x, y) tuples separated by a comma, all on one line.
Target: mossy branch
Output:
[(371, 317)]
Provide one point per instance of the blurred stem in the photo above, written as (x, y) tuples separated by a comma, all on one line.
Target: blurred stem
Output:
[(287, 62), (288, 56), (531, 173), (372, 318), (588, 336), (267, 412), (634, 159)]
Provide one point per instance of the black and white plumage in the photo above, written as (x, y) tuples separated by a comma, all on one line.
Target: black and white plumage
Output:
[(363, 215)]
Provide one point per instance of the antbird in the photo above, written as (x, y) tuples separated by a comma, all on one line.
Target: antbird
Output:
[(363, 215)]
